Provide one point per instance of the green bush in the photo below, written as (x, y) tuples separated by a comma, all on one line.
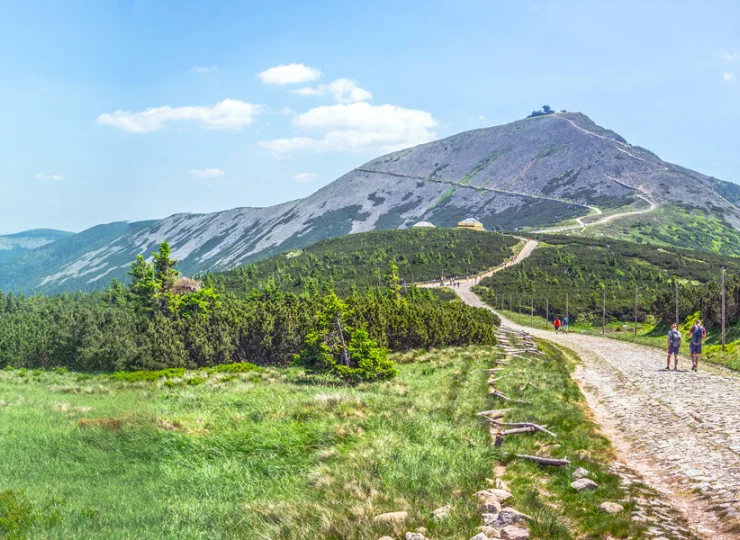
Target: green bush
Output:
[(358, 360), (195, 381), (236, 367), (148, 376)]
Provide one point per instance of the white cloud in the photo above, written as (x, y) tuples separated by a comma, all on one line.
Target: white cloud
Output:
[(358, 126), (207, 173), (228, 114), (728, 76), (482, 118), (289, 74), (305, 177), (343, 91), (202, 70), (54, 177), (732, 57)]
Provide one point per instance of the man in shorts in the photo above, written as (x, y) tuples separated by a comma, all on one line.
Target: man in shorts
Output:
[(674, 345), (565, 324), (697, 335)]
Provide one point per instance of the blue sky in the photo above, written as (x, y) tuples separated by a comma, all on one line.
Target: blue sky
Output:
[(77, 148)]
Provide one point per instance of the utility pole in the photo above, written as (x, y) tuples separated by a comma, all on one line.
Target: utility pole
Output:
[(566, 305), (635, 331), (547, 312), (677, 317), (603, 314), (723, 310)]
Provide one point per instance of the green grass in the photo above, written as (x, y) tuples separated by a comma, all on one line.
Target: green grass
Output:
[(553, 399), (672, 225), (262, 454), (272, 453)]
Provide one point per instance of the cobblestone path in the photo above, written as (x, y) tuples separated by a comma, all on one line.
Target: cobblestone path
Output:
[(679, 430)]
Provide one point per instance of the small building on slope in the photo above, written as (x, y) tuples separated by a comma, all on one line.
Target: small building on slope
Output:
[(471, 225)]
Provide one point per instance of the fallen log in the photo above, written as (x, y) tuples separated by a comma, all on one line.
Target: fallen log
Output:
[(525, 429), (534, 427), (493, 413), (545, 460)]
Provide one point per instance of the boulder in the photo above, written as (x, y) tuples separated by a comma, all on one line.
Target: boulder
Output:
[(480, 536), (499, 494), (386, 538), (513, 532), (392, 517), (610, 508), (500, 484), (490, 532), (584, 484), (490, 505), (442, 513), (508, 516), (580, 472), (415, 536), (489, 519)]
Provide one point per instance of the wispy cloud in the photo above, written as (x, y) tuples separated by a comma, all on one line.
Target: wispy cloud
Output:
[(731, 57), (728, 76), (356, 127), (202, 70), (342, 90), (207, 173), (228, 114), (53, 177), (289, 74), (305, 177)]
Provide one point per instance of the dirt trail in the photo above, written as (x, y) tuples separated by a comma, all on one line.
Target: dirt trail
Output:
[(679, 430), (527, 249)]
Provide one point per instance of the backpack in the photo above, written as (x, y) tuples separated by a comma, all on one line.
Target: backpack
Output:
[(697, 334), (675, 337)]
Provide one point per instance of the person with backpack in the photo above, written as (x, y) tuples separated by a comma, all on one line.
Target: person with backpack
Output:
[(565, 324), (674, 345), (556, 324), (697, 335)]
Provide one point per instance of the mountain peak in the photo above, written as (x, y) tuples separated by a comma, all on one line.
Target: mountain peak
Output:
[(532, 173)]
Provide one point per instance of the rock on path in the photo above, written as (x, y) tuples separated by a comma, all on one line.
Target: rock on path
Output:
[(679, 430)]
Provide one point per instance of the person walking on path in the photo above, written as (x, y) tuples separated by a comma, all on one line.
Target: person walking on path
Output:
[(697, 335), (556, 324), (565, 324), (674, 344)]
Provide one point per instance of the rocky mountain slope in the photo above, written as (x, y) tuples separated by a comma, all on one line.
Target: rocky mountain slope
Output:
[(531, 173), (14, 245)]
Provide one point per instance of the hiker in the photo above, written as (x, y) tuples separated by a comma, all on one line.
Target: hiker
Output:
[(674, 344), (565, 324), (697, 335), (556, 324)]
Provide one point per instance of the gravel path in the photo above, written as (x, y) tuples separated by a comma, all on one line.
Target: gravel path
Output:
[(679, 430)]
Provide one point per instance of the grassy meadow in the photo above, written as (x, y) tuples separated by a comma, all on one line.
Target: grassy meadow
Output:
[(273, 453), (270, 453)]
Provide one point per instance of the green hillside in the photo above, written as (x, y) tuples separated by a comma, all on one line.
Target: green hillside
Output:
[(359, 261), (585, 267)]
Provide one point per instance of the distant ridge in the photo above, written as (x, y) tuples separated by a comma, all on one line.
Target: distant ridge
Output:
[(530, 174)]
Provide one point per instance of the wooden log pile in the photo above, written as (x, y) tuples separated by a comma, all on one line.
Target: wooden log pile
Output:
[(499, 429)]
